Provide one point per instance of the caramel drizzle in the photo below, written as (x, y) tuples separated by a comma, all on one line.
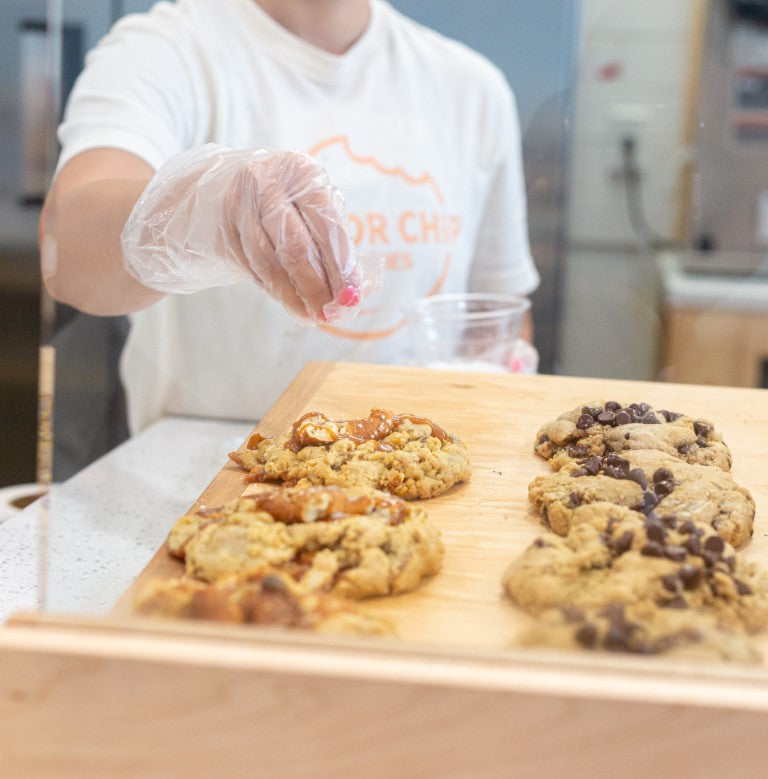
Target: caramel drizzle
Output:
[(375, 427), (287, 507)]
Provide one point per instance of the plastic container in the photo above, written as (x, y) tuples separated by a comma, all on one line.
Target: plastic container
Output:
[(468, 331)]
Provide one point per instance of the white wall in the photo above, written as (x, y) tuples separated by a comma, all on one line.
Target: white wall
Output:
[(632, 76), (647, 44)]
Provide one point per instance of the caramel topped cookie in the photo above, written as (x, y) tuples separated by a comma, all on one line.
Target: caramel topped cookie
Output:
[(649, 482), (601, 427), (272, 599), (355, 542), (409, 456), (615, 555)]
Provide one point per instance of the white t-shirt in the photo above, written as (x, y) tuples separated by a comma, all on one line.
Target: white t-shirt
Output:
[(419, 133)]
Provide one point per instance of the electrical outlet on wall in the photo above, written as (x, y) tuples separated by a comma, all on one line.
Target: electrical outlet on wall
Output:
[(627, 125)]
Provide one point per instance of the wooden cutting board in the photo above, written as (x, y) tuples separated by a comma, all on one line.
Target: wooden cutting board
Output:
[(487, 521)]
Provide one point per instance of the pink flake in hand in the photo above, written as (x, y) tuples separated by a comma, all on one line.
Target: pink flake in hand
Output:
[(349, 296)]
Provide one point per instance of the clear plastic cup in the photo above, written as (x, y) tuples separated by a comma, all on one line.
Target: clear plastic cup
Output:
[(467, 331)]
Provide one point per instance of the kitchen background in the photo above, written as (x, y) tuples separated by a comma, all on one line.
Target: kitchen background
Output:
[(645, 133)]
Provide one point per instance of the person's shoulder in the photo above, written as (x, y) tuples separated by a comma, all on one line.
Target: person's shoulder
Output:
[(177, 22), (444, 53)]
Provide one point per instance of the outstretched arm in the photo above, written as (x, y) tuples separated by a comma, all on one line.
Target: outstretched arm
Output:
[(116, 236), (84, 214)]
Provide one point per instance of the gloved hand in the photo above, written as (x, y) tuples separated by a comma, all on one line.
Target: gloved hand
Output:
[(213, 216)]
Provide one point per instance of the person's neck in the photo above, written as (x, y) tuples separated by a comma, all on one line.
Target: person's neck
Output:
[(332, 25)]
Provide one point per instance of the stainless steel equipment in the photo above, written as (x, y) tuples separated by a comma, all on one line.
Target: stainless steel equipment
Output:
[(730, 209)]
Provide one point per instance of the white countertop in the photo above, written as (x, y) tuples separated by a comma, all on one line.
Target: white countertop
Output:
[(682, 289), (79, 548)]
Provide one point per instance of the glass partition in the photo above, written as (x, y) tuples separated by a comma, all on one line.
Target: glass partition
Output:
[(644, 149)]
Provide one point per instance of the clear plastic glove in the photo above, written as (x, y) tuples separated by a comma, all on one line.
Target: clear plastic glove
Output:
[(214, 216)]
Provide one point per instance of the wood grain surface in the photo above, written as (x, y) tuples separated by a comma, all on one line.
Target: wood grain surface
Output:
[(125, 696), (487, 521)]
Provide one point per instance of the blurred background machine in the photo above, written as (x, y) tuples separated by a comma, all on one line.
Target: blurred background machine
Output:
[(729, 218)]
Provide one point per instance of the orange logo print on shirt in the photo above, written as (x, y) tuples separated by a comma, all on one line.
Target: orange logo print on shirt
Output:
[(417, 223)]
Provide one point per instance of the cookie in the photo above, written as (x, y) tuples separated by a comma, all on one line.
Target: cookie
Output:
[(354, 542), (409, 456), (612, 554), (641, 628), (289, 505), (649, 482), (601, 427), (272, 599)]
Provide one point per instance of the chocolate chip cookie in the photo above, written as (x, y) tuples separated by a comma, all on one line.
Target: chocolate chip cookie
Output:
[(612, 554), (408, 456), (354, 542), (649, 482), (642, 628), (608, 426)]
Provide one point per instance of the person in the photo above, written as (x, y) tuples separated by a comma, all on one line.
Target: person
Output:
[(205, 150)]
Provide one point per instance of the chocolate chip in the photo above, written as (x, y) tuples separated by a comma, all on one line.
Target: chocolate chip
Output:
[(675, 552), (684, 449), (622, 418), (641, 408), (663, 488), (670, 521), (606, 417), (578, 450), (622, 543), (591, 465), (650, 501), (701, 429), (702, 442), (593, 411), (574, 500), (272, 583), (652, 549), (614, 472), (540, 543), (542, 440), (638, 475), (677, 603), (663, 474), (616, 461), (584, 421), (714, 544), (710, 558), (731, 562), (586, 636), (742, 588), (612, 405), (671, 583), (650, 419), (616, 639), (670, 416), (693, 544), (689, 526), (689, 575), (655, 531)]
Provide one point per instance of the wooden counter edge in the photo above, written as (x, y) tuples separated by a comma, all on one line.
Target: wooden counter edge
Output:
[(536, 671), (128, 699)]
